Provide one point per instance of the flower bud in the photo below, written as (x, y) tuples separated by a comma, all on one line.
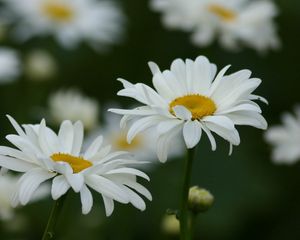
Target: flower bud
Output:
[(200, 200), (170, 225)]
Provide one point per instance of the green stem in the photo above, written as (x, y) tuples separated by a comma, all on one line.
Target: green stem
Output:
[(184, 228), (56, 209), (192, 221)]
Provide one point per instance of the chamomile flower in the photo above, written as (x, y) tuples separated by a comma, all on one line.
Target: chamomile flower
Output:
[(41, 154), (285, 138), (71, 104), (191, 98), (233, 22), (142, 146), (69, 21), (10, 66)]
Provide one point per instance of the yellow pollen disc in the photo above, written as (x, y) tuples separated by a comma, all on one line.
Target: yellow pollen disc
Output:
[(222, 12), (200, 106), (57, 11), (121, 143), (77, 163)]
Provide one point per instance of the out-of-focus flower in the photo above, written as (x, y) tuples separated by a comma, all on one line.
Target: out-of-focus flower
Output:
[(142, 146), (10, 66), (99, 23), (8, 184), (72, 105), (41, 154), (285, 138), (170, 225), (191, 98), (40, 65), (234, 22)]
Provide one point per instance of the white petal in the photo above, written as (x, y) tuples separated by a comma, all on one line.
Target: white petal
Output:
[(221, 121), (78, 138), (30, 181), (59, 187), (66, 136), (109, 205), (191, 133), (16, 164), (16, 126), (130, 171), (141, 125), (93, 148), (182, 112), (86, 200), (107, 188)]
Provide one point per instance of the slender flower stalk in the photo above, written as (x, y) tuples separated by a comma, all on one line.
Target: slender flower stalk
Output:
[(184, 213), (49, 232)]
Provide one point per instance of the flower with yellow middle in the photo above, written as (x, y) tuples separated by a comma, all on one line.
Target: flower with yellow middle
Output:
[(70, 21), (41, 154), (190, 98)]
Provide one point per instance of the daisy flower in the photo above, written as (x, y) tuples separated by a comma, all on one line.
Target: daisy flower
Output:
[(233, 22), (40, 65), (191, 98), (69, 21), (41, 154), (71, 104), (285, 138), (142, 146), (10, 66)]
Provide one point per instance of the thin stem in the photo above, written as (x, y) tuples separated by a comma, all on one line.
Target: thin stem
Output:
[(57, 206), (184, 235)]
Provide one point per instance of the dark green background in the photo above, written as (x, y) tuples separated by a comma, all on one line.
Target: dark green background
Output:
[(255, 199)]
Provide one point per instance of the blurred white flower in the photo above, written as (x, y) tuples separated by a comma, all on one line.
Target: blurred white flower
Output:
[(191, 98), (71, 104), (234, 22), (285, 138), (142, 146), (40, 65), (99, 23), (41, 154), (10, 66), (8, 184)]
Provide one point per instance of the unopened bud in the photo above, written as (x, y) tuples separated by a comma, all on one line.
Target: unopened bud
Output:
[(200, 199), (170, 225)]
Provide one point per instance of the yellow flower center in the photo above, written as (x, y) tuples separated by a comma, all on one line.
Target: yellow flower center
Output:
[(58, 11), (77, 163), (120, 142), (200, 106), (222, 12)]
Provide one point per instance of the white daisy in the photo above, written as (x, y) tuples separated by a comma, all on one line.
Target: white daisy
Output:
[(42, 154), (70, 21), (190, 98), (71, 104), (40, 65), (285, 138), (10, 66), (234, 22), (8, 184), (142, 146)]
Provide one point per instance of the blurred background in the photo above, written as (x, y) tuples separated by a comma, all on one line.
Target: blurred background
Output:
[(254, 198)]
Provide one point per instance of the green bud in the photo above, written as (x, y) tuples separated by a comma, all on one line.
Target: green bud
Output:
[(200, 199)]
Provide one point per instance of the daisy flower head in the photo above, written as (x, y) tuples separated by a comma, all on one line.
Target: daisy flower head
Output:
[(73, 105), (285, 138), (70, 21), (232, 22), (10, 66), (192, 98), (41, 154)]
